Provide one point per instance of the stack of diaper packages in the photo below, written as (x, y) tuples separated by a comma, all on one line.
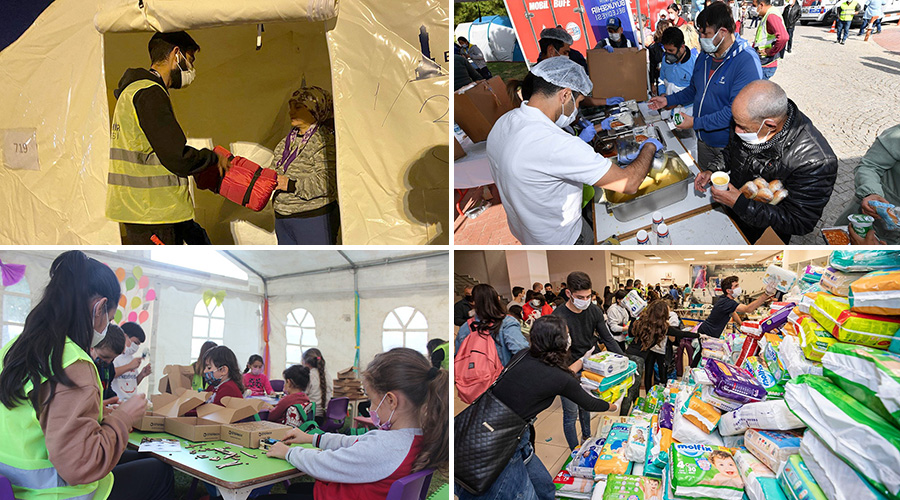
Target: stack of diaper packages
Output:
[(608, 375)]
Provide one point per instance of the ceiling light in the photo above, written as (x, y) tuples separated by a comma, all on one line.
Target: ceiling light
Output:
[(746, 254), (711, 253), (663, 262), (739, 259), (689, 259), (654, 258)]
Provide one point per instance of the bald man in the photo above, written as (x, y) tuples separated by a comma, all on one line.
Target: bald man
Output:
[(772, 139)]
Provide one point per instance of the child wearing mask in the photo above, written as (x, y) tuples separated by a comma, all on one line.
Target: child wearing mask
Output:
[(127, 376), (536, 306), (103, 355), (296, 381), (411, 434), (222, 375), (255, 381)]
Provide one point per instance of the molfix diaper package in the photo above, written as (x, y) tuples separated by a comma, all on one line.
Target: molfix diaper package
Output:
[(702, 471), (837, 479), (625, 487), (869, 375), (768, 415)]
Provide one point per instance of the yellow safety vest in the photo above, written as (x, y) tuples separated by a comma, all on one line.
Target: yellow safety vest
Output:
[(765, 40), (848, 10), (141, 190), (23, 456)]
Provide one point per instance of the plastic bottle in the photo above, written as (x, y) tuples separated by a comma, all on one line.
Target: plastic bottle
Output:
[(643, 238), (662, 235), (657, 220), (677, 116)]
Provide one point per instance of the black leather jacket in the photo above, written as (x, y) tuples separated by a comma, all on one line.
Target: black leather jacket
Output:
[(802, 160), (791, 15)]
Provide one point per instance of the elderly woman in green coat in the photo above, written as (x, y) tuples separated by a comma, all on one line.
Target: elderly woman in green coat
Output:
[(877, 178), (306, 199)]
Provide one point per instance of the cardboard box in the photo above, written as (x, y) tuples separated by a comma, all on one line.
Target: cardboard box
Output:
[(194, 429), (232, 410), (458, 151), (622, 73), (477, 108), (169, 405), (248, 434), (176, 377)]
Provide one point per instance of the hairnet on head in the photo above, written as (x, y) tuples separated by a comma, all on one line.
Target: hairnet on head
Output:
[(564, 72), (557, 34)]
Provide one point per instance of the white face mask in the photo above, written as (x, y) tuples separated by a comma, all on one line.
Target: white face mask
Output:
[(568, 342), (131, 350), (535, 303), (99, 336), (736, 291), (615, 36), (751, 138), (709, 45), (580, 304), (565, 120), (187, 75)]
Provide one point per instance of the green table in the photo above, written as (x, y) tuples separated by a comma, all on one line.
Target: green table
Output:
[(234, 483)]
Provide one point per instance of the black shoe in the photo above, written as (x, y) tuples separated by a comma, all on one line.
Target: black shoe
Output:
[(842, 42)]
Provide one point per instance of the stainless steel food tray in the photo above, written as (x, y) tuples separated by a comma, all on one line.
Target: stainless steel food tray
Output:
[(653, 200)]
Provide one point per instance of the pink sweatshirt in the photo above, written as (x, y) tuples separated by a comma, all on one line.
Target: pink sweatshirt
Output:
[(258, 384)]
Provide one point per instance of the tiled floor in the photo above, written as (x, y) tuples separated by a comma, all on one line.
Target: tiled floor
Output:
[(489, 228)]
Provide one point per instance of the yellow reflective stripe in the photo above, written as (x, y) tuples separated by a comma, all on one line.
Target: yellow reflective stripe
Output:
[(133, 157), (155, 181)]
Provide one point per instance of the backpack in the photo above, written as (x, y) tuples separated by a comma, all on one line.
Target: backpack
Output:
[(477, 363)]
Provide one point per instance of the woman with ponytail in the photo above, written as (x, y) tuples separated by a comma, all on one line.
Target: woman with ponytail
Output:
[(528, 388), (321, 387), (57, 442), (411, 434)]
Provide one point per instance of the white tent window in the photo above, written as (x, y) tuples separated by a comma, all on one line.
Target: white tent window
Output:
[(300, 330), (405, 327), (209, 324), (16, 304)]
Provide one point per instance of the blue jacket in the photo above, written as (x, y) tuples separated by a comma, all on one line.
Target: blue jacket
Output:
[(509, 340), (712, 113)]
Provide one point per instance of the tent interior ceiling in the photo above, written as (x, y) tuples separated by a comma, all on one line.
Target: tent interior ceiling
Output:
[(275, 264)]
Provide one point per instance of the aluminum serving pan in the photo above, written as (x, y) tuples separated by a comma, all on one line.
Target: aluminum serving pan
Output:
[(671, 188)]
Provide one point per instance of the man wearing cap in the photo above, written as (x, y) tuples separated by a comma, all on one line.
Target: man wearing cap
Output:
[(540, 169), (616, 39)]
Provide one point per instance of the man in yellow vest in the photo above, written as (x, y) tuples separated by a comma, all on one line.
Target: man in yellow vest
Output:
[(845, 12), (149, 160), (771, 37)]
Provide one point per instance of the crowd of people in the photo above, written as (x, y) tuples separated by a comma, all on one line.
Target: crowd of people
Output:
[(69, 400), (544, 342)]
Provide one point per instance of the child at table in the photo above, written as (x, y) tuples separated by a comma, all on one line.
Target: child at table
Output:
[(296, 380), (256, 381), (407, 438), (222, 375)]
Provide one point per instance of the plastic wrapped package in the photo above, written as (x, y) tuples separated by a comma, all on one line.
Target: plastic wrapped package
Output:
[(815, 339), (834, 314), (634, 303), (767, 415), (861, 437), (798, 483), (700, 413), (600, 383), (837, 479), (626, 487), (772, 448), (806, 302), (699, 377), (838, 282), (708, 394), (606, 423), (758, 369), (615, 392), (569, 486), (876, 293), (774, 364), (869, 375), (760, 482), (684, 431), (736, 441), (864, 260), (606, 364), (702, 471), (733, 382), (776, 319), (812, 274), (585, 457), (612, 457), (780, 278), (636, 450), (791, 356)]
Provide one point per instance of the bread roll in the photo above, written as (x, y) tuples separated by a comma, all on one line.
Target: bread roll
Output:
[(750, 190), (778, 196), (765, 195), (776, 185), (761, 183)]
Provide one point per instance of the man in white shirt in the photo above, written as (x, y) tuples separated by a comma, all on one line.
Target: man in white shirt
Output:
[(540, 170), (617, 319)]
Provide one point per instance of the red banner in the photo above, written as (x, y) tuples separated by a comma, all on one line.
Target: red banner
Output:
[(530, 17)]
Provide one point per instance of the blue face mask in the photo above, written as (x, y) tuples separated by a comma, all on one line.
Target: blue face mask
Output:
[(211, 378)]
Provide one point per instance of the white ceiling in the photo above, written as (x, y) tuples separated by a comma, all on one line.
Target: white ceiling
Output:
[(677, 256), (274, 263)]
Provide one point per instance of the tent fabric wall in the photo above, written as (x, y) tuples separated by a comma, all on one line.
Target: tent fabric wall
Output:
[(391, 107)]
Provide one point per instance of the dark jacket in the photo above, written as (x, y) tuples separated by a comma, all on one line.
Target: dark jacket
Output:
[(791, 15), (461, 312), (802, 160), (463, 72), (157, 120)]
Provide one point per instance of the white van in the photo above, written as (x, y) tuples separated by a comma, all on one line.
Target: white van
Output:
[(822, 11)]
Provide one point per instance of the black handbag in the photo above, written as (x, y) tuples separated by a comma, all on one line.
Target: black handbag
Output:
[(487, 434)]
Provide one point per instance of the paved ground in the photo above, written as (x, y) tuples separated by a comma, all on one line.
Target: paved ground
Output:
[(820, 76), (851, 93)]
